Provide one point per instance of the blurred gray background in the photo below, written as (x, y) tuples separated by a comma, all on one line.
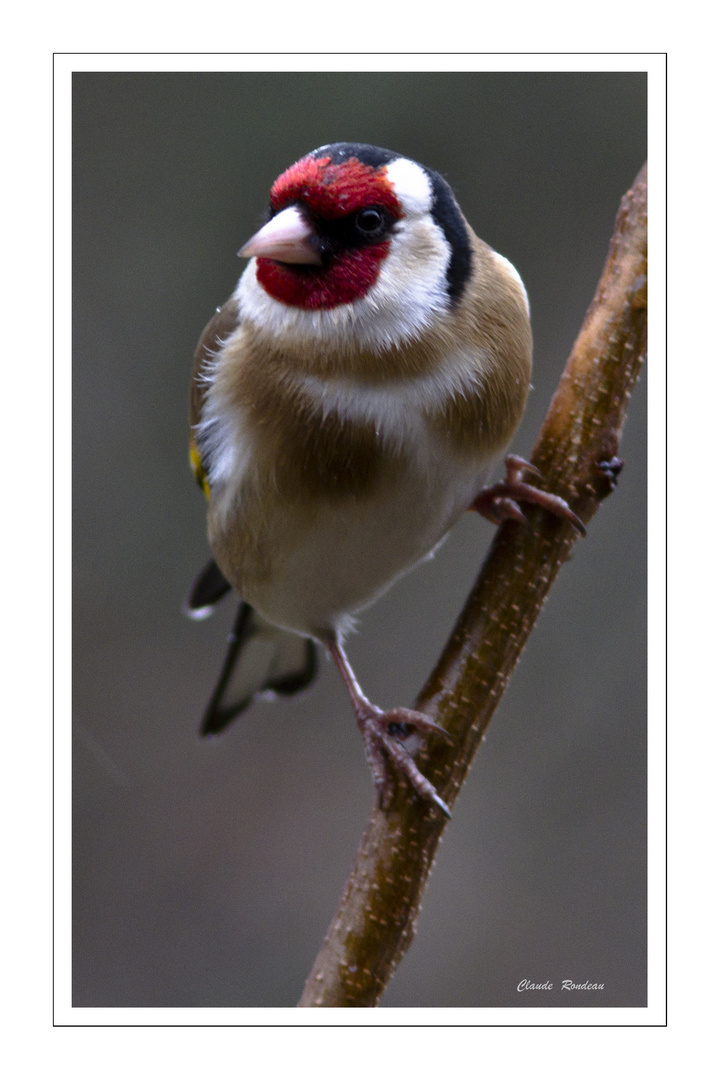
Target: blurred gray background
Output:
[(206, 874)]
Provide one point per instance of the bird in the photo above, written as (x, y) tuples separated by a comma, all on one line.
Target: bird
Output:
[(348, 403)]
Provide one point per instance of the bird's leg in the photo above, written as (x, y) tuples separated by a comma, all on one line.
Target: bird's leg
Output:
[(501, 501), (382, 732)]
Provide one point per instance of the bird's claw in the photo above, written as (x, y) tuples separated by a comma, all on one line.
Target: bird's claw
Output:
[(383, 734), (501, 501), (399, 722)]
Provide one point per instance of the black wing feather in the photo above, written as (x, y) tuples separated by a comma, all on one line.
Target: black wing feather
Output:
[(260, 659), (208, 588)]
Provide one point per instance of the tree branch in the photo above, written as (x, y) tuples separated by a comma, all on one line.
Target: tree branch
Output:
[(376, 917)]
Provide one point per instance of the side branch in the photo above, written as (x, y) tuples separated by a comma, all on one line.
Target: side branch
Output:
[(576, 453)]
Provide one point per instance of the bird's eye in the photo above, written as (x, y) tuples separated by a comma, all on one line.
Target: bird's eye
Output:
[(370, 222)]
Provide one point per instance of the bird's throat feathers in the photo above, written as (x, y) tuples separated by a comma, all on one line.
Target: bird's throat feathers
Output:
[(385, 304)]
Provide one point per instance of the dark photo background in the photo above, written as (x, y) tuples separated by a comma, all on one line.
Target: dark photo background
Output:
[(206, 874)]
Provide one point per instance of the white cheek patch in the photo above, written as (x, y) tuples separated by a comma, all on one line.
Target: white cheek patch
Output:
[(412, 186), (409, 294)]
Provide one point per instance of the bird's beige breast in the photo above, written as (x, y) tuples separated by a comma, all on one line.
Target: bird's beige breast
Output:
[(328, 489), (309, 553)]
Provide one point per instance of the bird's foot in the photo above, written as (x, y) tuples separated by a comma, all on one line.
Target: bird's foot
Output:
[(502, 501), (384, 734)]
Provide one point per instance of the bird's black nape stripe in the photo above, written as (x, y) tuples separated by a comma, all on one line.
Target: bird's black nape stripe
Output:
[(446, 213), (445, 209)]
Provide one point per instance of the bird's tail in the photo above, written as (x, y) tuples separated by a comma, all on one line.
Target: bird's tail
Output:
[(261, 659)]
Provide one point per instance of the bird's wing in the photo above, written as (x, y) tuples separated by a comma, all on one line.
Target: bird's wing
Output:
[(261, 659), (208, 588), (223, 323)]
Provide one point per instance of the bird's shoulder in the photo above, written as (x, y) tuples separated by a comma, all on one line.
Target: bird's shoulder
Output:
[(221, 326), (491, 334), (224, 322)]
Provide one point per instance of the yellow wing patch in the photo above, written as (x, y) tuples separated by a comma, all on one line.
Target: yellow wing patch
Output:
[(197, 467)]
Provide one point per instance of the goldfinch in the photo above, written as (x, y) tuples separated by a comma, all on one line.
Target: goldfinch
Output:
[(347, 404)]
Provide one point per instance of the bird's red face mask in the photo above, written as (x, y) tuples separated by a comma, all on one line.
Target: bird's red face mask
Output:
[(343, 215)]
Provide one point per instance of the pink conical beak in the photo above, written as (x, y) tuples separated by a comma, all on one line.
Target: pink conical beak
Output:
[(286, 238)]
